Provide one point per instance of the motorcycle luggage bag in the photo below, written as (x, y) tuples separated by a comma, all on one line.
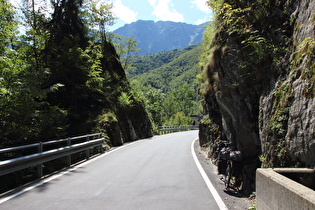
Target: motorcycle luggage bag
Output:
[(222, 165)]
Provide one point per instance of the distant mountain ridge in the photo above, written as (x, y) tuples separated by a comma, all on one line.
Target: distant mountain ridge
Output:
[(154, 37)]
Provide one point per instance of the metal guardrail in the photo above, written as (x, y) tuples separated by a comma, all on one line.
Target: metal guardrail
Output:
[(177, 128), (37, 159)]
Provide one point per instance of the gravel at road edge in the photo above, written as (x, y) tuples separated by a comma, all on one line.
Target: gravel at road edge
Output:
[(232, 202)]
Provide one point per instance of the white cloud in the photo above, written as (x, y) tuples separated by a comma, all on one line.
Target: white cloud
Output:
[(163, 11), (201, 21), (201, 5), (124, 13), (152, 2)]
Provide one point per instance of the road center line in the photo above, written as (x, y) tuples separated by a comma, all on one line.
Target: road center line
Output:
[(210, 186)]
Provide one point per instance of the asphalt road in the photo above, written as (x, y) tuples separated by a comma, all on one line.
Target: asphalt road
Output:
[(156, 173)]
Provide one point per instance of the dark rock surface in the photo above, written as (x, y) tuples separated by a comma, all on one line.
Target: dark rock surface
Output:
[(261, 86), (125, 123)]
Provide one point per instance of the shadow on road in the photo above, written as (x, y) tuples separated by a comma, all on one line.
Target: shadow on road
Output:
[(41, 185), (234, 193)]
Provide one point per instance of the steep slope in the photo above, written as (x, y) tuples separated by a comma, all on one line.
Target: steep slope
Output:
[(154, 37), (145, 63), (182, 69), (124, 118), (259, 83)]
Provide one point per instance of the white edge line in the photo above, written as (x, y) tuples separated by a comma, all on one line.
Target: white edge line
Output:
[(210, 186), (48, 179)]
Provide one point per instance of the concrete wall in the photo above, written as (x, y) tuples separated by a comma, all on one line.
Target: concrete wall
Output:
[(277, 192)]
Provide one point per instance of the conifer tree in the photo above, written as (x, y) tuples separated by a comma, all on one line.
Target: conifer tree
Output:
[(70, 62)]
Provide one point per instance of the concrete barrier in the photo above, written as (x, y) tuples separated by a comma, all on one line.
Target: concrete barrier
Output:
[(274, 191)]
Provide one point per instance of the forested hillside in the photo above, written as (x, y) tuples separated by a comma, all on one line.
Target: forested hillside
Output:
[(168, 84), (145, 63), (61, 77), (258, 87), (167, 70)]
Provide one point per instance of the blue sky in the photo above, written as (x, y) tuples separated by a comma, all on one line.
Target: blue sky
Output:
[(188, 11), (127, 11)]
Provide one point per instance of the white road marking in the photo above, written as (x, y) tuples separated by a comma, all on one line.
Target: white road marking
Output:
[(210, 186), (48, 179)]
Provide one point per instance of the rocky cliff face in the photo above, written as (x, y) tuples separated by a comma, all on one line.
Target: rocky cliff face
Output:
[(260, 82), (125, 117), (290, 105)]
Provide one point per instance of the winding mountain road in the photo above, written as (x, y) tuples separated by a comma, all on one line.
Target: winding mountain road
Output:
[(156, 173)]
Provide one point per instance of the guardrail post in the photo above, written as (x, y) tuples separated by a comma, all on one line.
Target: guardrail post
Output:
[(41, 156), (69, 156), (102, 150), (87, 151), (40, 166)]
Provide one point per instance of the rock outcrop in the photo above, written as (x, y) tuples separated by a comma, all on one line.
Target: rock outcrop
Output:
[(259, 86), (289, 108), (125, 117)]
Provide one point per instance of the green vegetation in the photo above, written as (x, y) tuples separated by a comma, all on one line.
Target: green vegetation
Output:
[(253, 207), (278, 125), (261, 52), (174, 73), (126, 49), (305, 55), (149, 62), (62, 76), (251, 44), (166, 83)]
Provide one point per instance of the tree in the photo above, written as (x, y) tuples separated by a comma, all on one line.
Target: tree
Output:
[(82, 63), (34, 21), (9, 71), (25, 115), (178, 119), (182, 99), (8, 25), (73, 62), (126, 49), (61, 74), (98, 15)]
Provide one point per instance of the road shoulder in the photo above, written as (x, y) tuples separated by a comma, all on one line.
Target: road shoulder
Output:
[(232, 202)]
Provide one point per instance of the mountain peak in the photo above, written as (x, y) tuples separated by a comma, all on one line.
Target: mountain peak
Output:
[(154, 37)]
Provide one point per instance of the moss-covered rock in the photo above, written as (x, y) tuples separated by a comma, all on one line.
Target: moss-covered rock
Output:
[(261, 76)]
